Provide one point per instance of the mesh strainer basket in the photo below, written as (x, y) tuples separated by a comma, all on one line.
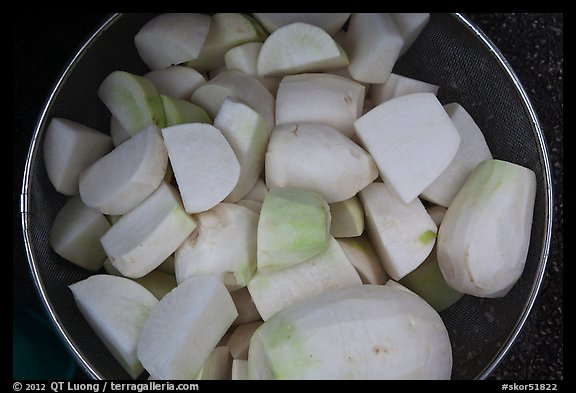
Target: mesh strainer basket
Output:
[(451, 52)]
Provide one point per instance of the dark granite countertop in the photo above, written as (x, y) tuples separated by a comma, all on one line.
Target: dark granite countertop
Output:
[(532, 44)]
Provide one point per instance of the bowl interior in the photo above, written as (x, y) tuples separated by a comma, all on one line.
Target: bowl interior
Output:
[(448, 53)]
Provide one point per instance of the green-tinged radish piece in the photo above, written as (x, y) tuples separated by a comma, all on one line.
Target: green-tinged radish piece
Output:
[(168, 265), (471, 152), (224, 246), (335, 167), (298, 48), (330, 22), (247, 133), (247, 311), (320, 98), (75, 234), (239, 341), (402, 234), (428, 283), (244, 87), (410, 25), (398, 85), (412, 140), (258, 192), (179, 111), (117, 132), (190, 320), (122, 179), (373, 44), (363, 332), (293, 226), (158, 283), (485, 234), (204, 164), (323, 272), (133, 100), (437, 213), (361, 254), (116, 309), (255, 206), (176, 81), (239, 370), (145, 236), (217, 367), (69, 148), (172, 38), (347, 218), (227, 30), (110, 269)]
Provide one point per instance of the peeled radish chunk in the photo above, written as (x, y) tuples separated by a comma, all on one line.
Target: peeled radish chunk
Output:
[(412, 140), (485, 234), (320, 98), (247, 133), (204, 164), (323, 272), (239, 369), (402, 234), (294, 225), (361, 254), (410, 25), (75, 234), (334, 166), (70, 148), (179, 111), (176, 81), (297, 48), (363, 332), (330, 22), (243, 57), (133, 100), (225, 246), (144, 237), (184, 328), (373, 44), (116, 309), (122, 179), (117, 132), (217, 367), (172, 39), (227, 30), (398, 85), (158, 283), (347, 218), (239, 341), (255, 206), (472, 151)]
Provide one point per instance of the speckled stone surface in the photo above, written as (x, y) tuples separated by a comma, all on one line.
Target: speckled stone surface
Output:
[(532, 44)]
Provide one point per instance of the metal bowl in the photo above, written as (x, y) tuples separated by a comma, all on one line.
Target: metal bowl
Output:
[(451, 52)]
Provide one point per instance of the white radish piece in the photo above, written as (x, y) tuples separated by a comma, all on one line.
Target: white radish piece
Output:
[(373, 44), (204, 164), (224, 246), (293, 226), (471, 152), (320, 98), (363, 332), (323, 272), (402, 234), (176, 81), (258, 192), (185, 327), (243, 57), (69, 148), (411, 139), (247, 311), (334, 166), (179, 111), (247, 133), (158, 283), (398, 85), (485, 234), (217, 367), (255, 206), (122, 179), (116, 309), (410, 25), (297, 48), (330, 22), (144, 237), (361, 254), (347, 218), (133, 100), (172, 38), (239, 340), (239, 370), (75, 234), (117, 132)]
